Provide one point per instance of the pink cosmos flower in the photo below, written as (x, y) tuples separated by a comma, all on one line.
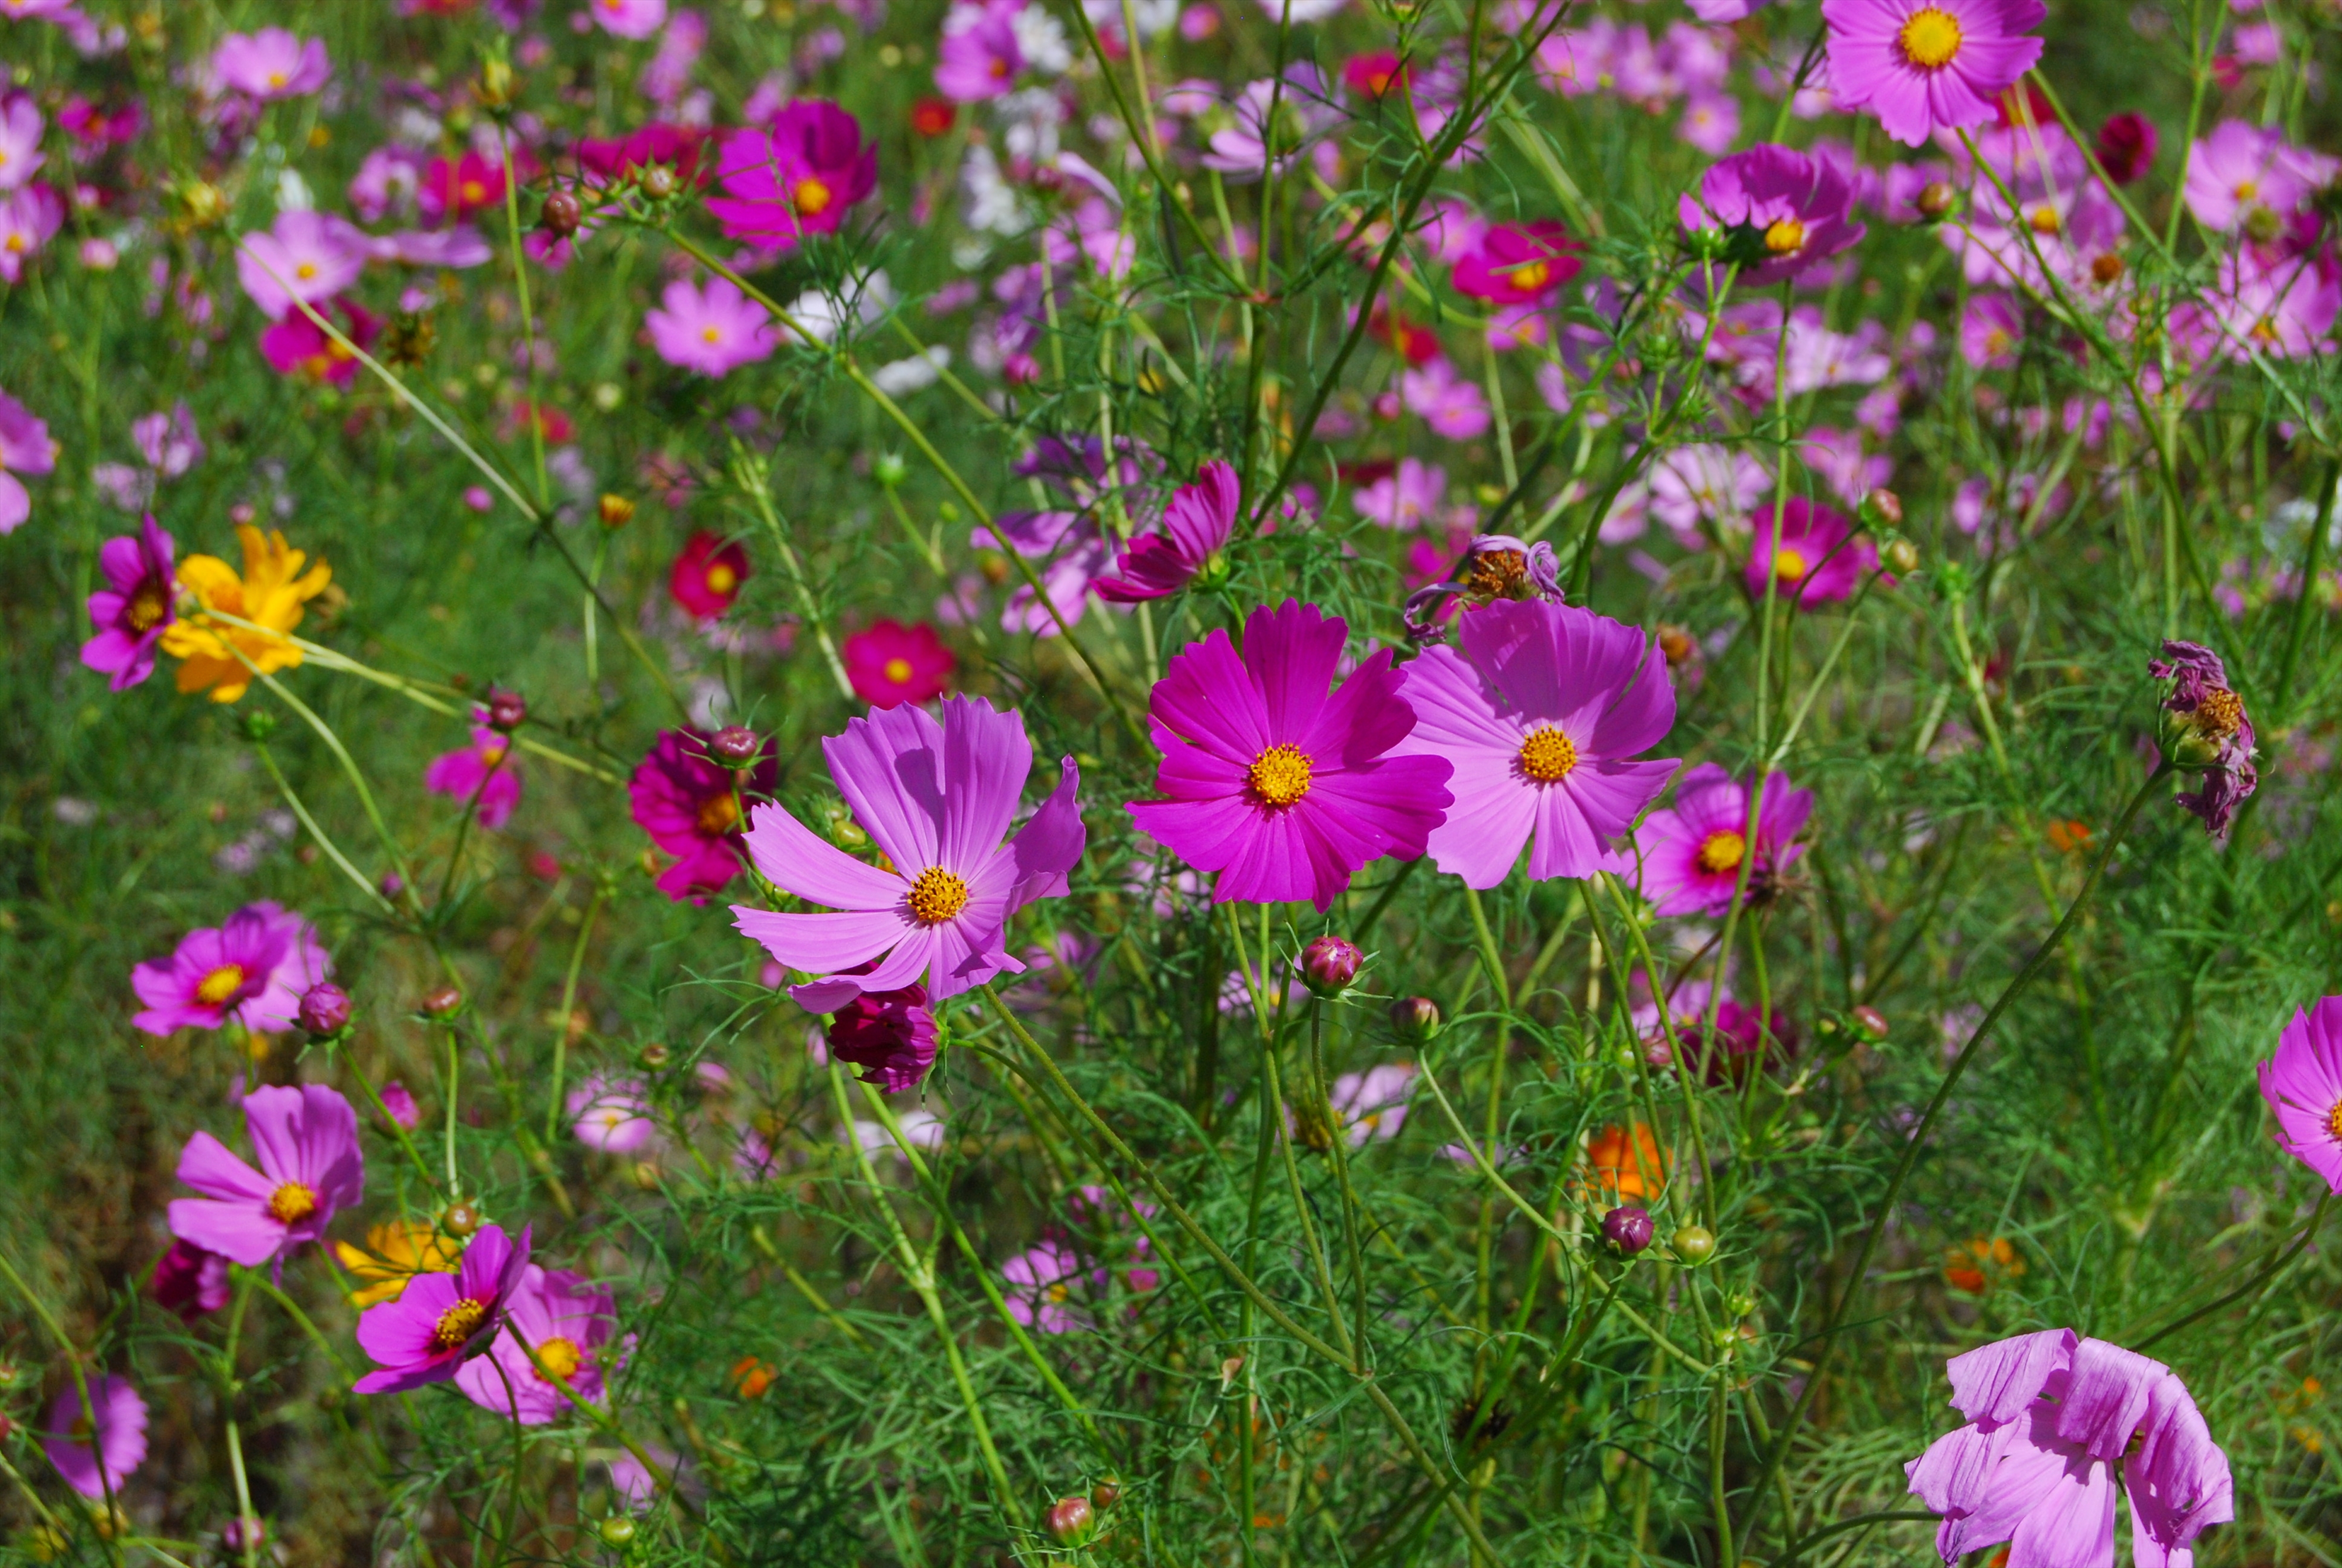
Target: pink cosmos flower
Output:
[(2051, 1416), (1929, 65), (1275, 781), (568, 1323), (1448, 404), (29, 219), (1538, 706), (2280, 311), (306, 1141), (889, 1034), (706, 575), (189, 1281), (2303, 1085), (1691, 853), (252, 970), (479, 771), (1705, 482), (1779, 211), (309, 256), (1518, 263), (936, 798), (686, 803), (94, 1455), (1991, 328), (1198, 522), (888, 664), (2238, 170), (629, 19), (1041, 1282), (399, 1101), (713, 330), (1817, 558), (1292, 117), (1371, 1104), (453, 189), (425, 1333), (798, 176), (296, 345), (20, 140), (978, 57), (272, 64), (25, 448), (610, 1113), (131, 614)]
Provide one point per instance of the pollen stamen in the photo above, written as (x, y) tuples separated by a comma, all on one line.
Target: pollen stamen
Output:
[(936, 896), (292, 1203), (459, 1324), (1279, 775), (1547, 755), (1930, 38), (1721, 852)]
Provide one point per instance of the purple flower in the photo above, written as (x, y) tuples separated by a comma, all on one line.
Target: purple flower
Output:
[(1929, 65), (889, 1034), (252, 970), (686, 803), (309, 256), (2240, 170), (1371, 1105), (630, 18), (189, 1281), (480, 772), (1991, 327), (937, 799), (272, 64), (114, 1439), (29, 219), (20, 140), (2282, 310), (1450, 405), (1817, 558), (1705, 482), (1282, 785), (1404, 498), (306, 1141), (169, 442), (132, 615), (1538, 706), (2303, 1085), (1692, 852), (798, 176), (1779, 211), (398, 1101), (2206, 726), (2050, 1418), (568, 1323), (1287, 118), (1517, 264), (440, 1321), (713, 330), (1196, 524), (611, 1113), (25, 448), (978, 57), (1041, 1281)]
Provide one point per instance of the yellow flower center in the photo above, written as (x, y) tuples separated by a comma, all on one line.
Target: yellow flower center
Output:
[(305, 271), (1279, 775), (145, 610), (1055, 1292), (1789, 565), (810, 197), (561, 1357), (459, 1324), (473, 192), (1533, 275), (292, 1203), (220, 984), (711, 335), (2045, 219), (2219, 713), (2247, 189), (897, 671), (722, 579), (1547, 755), (1784, 236), (1930, 38), (936, 896), (718, 814), (1721, 852), (493, 756), (276, 78)]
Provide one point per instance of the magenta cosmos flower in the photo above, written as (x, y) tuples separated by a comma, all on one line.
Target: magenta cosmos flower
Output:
[(567, 1322), (1929, 65), (251, 970), (25, 448), (978, 56), (890, 1036), (113, 1441), (706, 576), (131, 614), (1277, 782), (1196, 524), (796, 177), (189, 1281), (713, 330), (2051, 1417), (888, 664), (687, 804), (1692, 853), (1517, 264), (1779, 211), (1539, 706), (937, 799), (425, 1333), (306, 1141), (2303, 1085), (1817, 558), (272, 64), (481, 771)]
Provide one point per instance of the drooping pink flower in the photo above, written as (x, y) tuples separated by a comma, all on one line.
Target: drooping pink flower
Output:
[(1279, 782), (1518, 263), (798, 176), (29, 218), (2051, 1418), (888, 664), (1778, 211), (937, 799), (94, 1454), (611, 1113), (1816, 559), (629, 19), (189, 1281), (685, 801), (714, 329), (425, 1333), (306, 1141), (1692, 852), (481, 771), (1198, 522), (296, 345), (131, 614), (568, 1323), (706, 576), (272, 64), (20, 140), (252, 970), (1927, 65), (309, 256), (2303, 1085), (889, 1034), (1539, 707)]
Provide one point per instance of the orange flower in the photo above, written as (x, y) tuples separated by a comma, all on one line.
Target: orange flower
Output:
[(752, 1377), (267, 597), (1627, 1166), (2066, 837), (1980, 1264)]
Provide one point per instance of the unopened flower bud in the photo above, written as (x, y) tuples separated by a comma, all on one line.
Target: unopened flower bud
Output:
[(1901, 555), (1882, 509), (654, 1056), (1628, 1228), (258, 724), (460, 1218), (1934, 200), (1106, 1494), (659, 182), (495, 83), (1693, 1244), (247, 1534), (562, 213), (442, 1002), (393, 884), (615, 1530), (1676, 643), (1330, 963), (1416, 1019), (616, 511), (1871, 1022), (735, 746), (325, 1009), (507, 711), (889, 469), (1069, 1519)]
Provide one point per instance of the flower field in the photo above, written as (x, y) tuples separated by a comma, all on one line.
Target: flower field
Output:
[(1152, 781)]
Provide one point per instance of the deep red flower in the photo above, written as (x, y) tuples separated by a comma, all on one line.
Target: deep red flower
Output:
[(707, 574), (890, 663), (1374, 74), (934, 116), (2126, 147)]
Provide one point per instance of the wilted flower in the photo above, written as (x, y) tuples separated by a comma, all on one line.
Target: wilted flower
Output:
[(889, 1034), (2206, 727), (190, 1281)]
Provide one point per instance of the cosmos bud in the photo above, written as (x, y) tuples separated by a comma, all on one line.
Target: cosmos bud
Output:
[(1693, 1244), (1414, 1018), (1882, 509), (1628, 1228), (1934, 200), (735, 746), (659, 182), (616, 511), (325, 1009), (443, 1002), (507, 711), (1330, 963), (562, 214), (1871, 1022), (460, 1218), (1069, 1519)]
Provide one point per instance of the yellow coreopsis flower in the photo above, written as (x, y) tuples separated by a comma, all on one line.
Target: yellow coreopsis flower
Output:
[(395, 1253), (269, 594)]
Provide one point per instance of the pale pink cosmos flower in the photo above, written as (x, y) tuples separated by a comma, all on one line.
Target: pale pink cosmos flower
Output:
[(629, 19), (610, 1113), (25, 448), (309, 256), (1927, 65), (29, 219), (1705, 482), (1991, 328), (20, 140), (713, 330), (272, 64), (2239, 169), (1371, 1104), (1404, 498), (307, 1141), (2303, 1085), (1445, 402)]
